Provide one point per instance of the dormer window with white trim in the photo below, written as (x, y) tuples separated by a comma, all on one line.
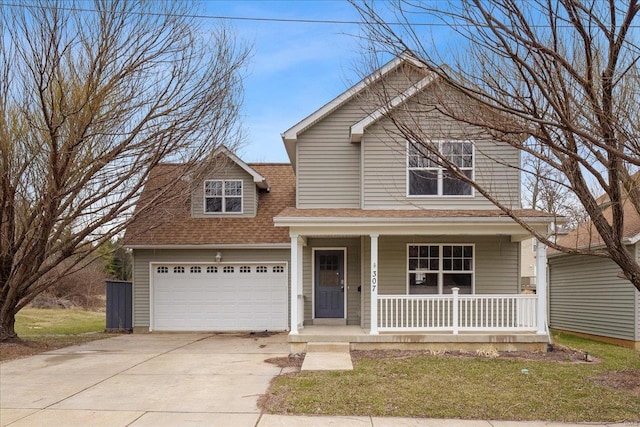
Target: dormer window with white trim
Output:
[(426, 178), (223, 196)]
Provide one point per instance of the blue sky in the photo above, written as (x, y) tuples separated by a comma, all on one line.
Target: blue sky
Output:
[(295, 68)]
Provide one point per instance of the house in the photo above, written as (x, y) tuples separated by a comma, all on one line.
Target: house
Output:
[(359, 239), (528, 249), (588, 295)]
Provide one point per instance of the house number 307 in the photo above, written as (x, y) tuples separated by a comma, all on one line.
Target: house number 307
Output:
[(374, 280)]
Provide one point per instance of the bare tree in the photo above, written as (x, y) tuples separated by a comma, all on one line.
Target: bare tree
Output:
[(545, 188), (91, 99), (559, 74)]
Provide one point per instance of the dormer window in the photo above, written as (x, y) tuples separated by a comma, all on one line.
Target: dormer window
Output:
[(223, 196), (427, 178)]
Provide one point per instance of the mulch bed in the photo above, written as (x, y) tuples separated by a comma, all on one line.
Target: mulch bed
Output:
[(557, 354)]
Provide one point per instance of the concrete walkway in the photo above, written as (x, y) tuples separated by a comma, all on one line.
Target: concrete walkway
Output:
[(329, 356), (167, 380)]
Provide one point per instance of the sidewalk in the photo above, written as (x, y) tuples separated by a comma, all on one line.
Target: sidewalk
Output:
[(267, 420)]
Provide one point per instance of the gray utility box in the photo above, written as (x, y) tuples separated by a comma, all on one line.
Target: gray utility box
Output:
[(119, 305)]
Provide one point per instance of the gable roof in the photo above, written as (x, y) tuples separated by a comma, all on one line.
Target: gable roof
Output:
[(258, 179), (290, 136), (171, 224)]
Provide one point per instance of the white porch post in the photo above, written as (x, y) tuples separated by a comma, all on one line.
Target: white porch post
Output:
[(374, 285), (541, 287), (301, 243), (296, 249), (455, 311)]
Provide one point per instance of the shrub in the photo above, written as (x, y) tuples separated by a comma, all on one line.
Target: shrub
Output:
[(83, 288)]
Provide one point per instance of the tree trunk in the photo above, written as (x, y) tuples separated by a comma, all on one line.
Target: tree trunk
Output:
[(7, 326)]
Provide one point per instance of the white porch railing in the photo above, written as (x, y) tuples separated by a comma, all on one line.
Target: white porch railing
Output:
[(454, 313)]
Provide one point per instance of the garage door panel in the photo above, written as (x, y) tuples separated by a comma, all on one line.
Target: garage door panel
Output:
[(250, 296)]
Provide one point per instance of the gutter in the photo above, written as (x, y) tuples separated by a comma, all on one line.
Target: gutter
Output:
[(213, 246)]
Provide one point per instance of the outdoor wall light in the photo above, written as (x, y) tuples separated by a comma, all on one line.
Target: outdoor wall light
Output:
[(219, 257)]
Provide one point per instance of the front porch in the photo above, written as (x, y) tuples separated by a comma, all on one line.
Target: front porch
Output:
[(360, 339), (438, 323), (444, 283)]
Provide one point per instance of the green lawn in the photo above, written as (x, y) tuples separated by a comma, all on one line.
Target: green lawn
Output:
[(469, 388), (48, 329), (32, 322)]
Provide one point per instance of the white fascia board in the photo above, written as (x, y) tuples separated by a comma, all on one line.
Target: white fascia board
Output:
[(258, 179), (357, 130), (215, 246), (633, 239), (291, 135), (332, 221), (442, 229)]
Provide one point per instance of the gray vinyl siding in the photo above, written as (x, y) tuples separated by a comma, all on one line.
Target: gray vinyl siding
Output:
[(352, 246), (228, 171), (495, 260), (637, 309), (587, 296), (328, 164), (142, 258), (385, 167)]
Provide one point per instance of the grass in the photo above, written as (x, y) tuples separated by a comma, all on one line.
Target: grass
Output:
[(49, 329), (36, 322), (468, 388)]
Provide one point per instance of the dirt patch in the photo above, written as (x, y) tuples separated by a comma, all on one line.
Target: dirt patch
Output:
[(627, 381), (557, 354), (260, 334), (16, 350), (23, 348), (291, 361)]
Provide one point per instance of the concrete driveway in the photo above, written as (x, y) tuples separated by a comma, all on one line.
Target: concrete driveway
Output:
[(142, 380)]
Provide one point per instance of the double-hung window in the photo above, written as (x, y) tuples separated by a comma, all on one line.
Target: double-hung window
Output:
[(223, 196), (426, 177), (437, 268)]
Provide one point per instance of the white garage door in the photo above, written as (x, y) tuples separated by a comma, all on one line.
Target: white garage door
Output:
[(219, 297)]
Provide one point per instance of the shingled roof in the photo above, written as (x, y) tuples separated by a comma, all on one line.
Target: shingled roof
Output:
[(586, 235), (171, 224)]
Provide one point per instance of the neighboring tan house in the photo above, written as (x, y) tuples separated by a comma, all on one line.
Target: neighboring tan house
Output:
[(528, 249), (360, 239), (587, 294)]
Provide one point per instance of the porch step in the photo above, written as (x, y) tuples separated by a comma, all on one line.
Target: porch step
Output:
[(327, 356), (328, 347), (329, 322)]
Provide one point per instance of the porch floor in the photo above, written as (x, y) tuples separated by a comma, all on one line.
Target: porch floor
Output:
[(360, 339)]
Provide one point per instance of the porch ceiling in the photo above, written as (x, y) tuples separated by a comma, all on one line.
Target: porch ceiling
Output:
[(357, 222)]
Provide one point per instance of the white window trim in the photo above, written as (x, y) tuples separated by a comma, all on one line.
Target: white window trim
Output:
[(440, 271), (224, 197), (440, 173)]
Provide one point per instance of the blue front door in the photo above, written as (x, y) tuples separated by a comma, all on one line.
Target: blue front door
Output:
[(329, 283)]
